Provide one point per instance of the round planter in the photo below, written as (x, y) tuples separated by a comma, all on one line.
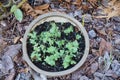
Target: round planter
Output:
[(57, 17)]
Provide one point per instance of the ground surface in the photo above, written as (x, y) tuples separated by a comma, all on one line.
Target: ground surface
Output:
[(101, 20)]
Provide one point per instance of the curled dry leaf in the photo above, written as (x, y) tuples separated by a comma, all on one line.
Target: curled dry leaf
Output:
[(16, 39), (94, 67), (93, 3), (113, 9), (77, 2), (3, 44), (102, 31), (104, 46), (31, 11), (42, 7)]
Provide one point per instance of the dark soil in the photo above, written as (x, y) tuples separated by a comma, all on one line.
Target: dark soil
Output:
[(71, 37)]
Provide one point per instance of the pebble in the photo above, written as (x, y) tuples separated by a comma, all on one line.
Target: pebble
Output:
[(92, 33), (117, 19), (87, 18), (108, 25), (97, 74), (71, 14), (52, 6), (96, 78), (47, 1), (117, 41), (77, 13), (116, 67), (83, 78), (23, 76), (3, 23), (117, 28), (94, 67)]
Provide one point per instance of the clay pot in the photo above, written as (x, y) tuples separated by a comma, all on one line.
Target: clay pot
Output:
[(57, 17)]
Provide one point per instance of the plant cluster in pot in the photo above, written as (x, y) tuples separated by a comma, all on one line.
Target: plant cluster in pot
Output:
[(55, 44)]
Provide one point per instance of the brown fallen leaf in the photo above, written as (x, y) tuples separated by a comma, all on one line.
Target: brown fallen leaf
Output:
[(16, 39), (77, 2), (3, 44), (93, 3), (42, 7), (68, 1), (104, 45), (113, 9), (102, 31), (36, 10), (94, 67)]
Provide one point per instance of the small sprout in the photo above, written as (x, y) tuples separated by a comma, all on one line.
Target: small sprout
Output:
[(78, 36), (68, 30), (51, 49), (50, 60), (75, 43), (17, 12), (35, 56), (61, 52)]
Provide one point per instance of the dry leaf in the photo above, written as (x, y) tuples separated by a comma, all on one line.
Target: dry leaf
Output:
[(3, 44), (42, 7), (101, 31), (113, 9), (77, 2), (104, 46), (35, 11), (68, 1), (94, 67), (16, 39), (93, 3)]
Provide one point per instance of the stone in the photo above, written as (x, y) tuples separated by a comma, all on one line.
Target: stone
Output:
[(96, 78), (97, 74), (87, 18), (117, 41), (94, 67), (92, 33), (83, 78), (117, 19), (77, 13), (47, 1), (116, 67), (71, 14)]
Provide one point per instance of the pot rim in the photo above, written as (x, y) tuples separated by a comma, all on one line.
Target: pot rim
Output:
[(60, 73)]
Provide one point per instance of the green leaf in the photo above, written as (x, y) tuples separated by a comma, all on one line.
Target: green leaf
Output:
[(68, 30), (35, 56), (69, 45), (42, 47), (13, 8), (51, 49), (78, 36), (73, 62), (50, 60), (65, 64), (61, 52), (54, 28), (56, 56), (18, 14), (74, 49), (75, 43), (67, 58)]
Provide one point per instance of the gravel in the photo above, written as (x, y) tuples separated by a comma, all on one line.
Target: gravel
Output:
[(87, 18), (116, 67), (92, 33)]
